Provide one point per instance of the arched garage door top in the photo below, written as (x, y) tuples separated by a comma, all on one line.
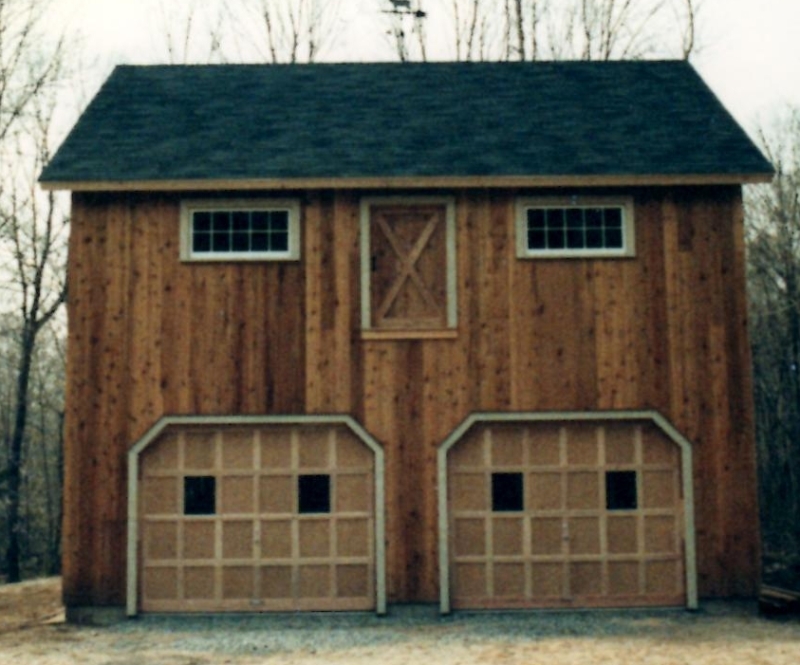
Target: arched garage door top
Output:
[(173, 422), (566, 417)]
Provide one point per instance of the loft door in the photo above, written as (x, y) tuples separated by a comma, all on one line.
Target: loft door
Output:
[(407, 275)]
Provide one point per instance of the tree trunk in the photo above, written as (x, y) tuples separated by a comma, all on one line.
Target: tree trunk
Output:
[(13, 553)]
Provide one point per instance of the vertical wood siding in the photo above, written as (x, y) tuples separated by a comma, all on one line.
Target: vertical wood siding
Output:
[(151, 336)]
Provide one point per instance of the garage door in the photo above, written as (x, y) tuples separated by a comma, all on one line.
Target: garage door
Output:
[(276, 517), (585, 514)]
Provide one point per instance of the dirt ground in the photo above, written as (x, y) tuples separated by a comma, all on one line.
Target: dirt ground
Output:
[(33, 632)]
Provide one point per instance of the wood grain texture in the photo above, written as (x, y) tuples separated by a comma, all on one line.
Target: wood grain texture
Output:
[(151, 336)]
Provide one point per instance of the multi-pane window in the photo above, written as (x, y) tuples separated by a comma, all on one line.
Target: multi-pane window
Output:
[(240, 231), (593, 228)]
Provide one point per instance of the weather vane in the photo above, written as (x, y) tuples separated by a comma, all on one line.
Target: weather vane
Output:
[(404, 8)]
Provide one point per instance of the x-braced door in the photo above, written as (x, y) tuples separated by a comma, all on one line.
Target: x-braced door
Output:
[(408, 273)]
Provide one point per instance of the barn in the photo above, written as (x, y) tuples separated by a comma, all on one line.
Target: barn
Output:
[(345, 336)]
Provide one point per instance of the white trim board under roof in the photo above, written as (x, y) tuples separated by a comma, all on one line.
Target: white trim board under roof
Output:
[(294, 184)]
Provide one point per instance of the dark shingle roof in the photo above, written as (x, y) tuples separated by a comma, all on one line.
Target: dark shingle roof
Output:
[(377, 120)]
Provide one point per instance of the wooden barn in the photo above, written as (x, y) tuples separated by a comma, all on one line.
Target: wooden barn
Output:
[(349, 335)]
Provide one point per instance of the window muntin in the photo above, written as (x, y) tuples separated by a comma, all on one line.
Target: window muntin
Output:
[(240, 230), (548, 228)]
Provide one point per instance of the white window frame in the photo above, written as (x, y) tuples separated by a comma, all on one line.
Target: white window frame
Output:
[(365, 251), (291, 206), (628, 226)]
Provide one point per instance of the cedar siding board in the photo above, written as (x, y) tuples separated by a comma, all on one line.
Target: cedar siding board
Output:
[(151, 336)]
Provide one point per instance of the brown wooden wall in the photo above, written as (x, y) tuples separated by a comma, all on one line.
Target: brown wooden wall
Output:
[(151, 336)]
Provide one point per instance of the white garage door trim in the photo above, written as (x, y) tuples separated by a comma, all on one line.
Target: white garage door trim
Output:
[(568, 416), (214, 421)]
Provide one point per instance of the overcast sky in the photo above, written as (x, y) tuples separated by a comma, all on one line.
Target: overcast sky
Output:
[(750, 49)]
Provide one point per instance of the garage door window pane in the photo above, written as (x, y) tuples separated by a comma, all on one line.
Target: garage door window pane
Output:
[(199, 495), (621, 490), (314, 494), (507, 495)]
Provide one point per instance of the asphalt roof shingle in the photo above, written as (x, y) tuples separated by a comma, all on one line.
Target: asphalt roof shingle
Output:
[(384, 120)]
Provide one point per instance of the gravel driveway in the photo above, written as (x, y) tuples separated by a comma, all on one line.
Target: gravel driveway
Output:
[(720, 633)]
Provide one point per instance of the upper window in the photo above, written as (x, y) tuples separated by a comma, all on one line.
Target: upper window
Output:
[(240, 230), (553, 228)]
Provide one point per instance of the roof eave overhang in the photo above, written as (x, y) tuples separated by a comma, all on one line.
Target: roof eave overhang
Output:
[(404, 182)]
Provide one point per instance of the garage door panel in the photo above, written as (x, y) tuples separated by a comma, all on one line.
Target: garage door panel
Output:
[(277, 582), (583, 490), (584, 535), (199, 539), (164, 458), (238, 495), (624, 578), (238, 582), (277, 495), (660, 488), (199, 450), (470, 452), (161, 540), (470, 580), (620, 448), (276, 539), (544, 445), (160, 495), (315, 453), (470, 536), (259, 518), (600, 522), (315, 539), (544, 491), (352, 581), (582, 445), (314, 581), (547, 535), (509, 580), (161, 583), (354, 493), (352, 537), (623, 535), (507, 446), (351, 453), (237, 539), (507, 536), (276, 448), (199, 582), (238, 451), (656, 449), (659, 535), (586, 578), (469, 491), (662, 577), (547, 580)]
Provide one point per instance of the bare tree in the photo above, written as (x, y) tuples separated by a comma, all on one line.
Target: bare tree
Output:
[(32, 229), (273, 31), (773, 228), (292, 30), (574, 29), (192, 31)]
